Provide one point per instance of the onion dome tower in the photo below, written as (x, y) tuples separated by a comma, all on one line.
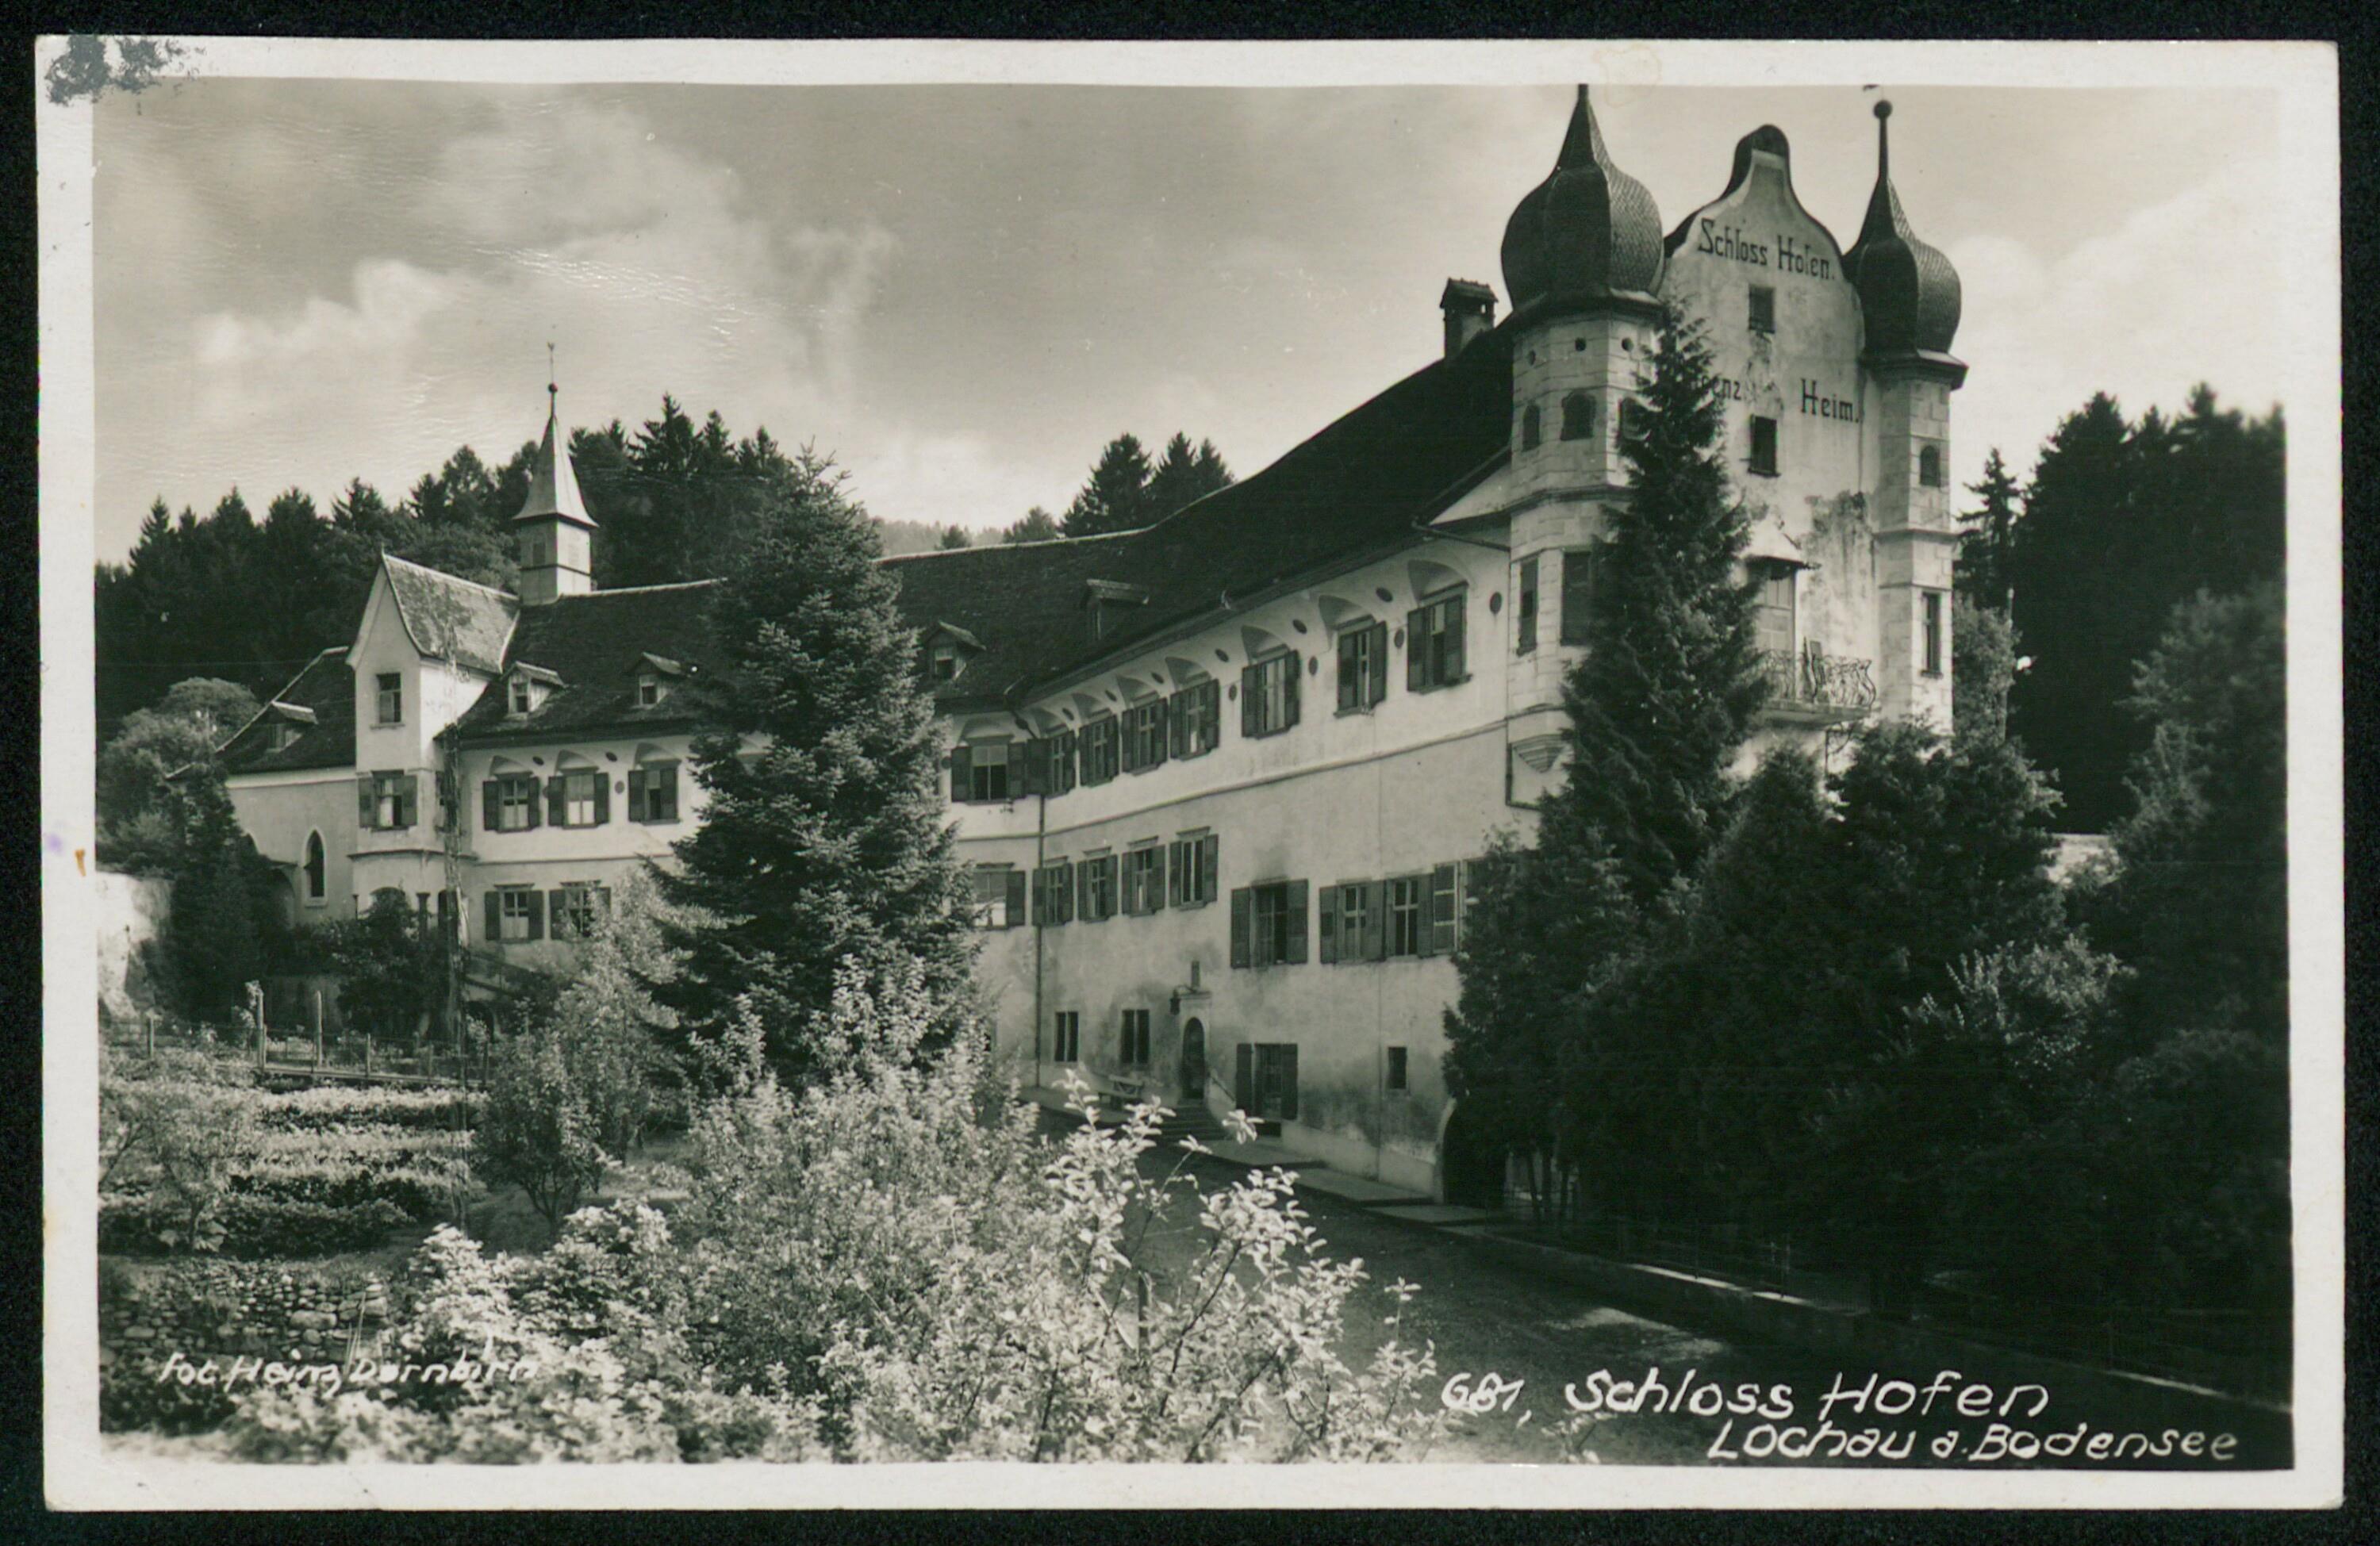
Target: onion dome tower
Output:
[(1583, 258), (554, 536), (1909, 301)]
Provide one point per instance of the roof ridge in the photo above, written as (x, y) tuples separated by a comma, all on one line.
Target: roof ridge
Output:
[(387, 557), (633, 590), (1038, 542)]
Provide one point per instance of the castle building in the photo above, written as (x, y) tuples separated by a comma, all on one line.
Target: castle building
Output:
[(1218, 780)]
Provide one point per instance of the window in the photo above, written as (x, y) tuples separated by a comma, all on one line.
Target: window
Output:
[(1933, 632), (1099, 750), (1351, 923), (653, 792), (316, 867), (1063, 752), (1764, 308), (1362, 667), (514, 915), (578, 797), (508, 803), (1268, 695), (999, 896), (1582, 575), (1096, 888), (945, 659), (988, 773), (650, 690), (1578, 417), (1067, 1037), (1405, 927), (1443, 917), (521, 701), (1434, 645), (1267, 1081), (578, 909), (1145, 736), (1198, 714), (1191, 862), (1764, 447), (1531, 433), (1773, 621), (1524, 611), (392, 698), (1268, 924), (1053, 893), (1135, 1050), (1143, 880), (387, 802), (1929, 466), (282, 737), (1396, 1071)]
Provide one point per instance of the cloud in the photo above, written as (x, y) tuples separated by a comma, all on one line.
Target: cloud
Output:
[(2177, 292)]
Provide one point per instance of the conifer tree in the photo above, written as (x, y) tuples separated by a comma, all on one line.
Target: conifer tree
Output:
[(1038, 526), (213, 931), (1990, 531), (823, 836), (1116, 498), (1667, 689)]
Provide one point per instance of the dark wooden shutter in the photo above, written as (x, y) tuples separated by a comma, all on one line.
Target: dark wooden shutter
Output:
[(495, 916), (556, 812), (1379, 684), (602, 797), (1524, 609), (1062, 887), (557, 913), (1210, 848), (1113, 865), (489, 806), (1177, 722), (1287, 1057), (962, 774), (366, 786), (1375, 920), (1244, 1082), (408, 798), (536, 917), (662, 800), (1174, 867), (1015, 898), (1159, 744), (1456, 668), (1083, 890), (1296, 673), (530, 813), (1418, 649), (1327, 952), (1248, 679), (1437, 932), (1243, 925), (1296, 889), (638, 808)]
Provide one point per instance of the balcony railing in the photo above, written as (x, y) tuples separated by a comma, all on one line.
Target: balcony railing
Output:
[(1814, 680)]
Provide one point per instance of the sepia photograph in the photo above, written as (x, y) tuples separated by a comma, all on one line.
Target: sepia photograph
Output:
[(1535, 775)]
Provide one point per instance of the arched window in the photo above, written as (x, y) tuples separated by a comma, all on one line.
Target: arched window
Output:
[(1929, 466), (1530, 431), (1578, 417), (314, 866)]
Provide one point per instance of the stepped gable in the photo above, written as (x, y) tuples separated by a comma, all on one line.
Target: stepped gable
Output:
[(449, 618), (596, 643), (324, 697)]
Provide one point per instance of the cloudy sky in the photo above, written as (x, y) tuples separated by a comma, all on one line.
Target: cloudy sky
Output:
[(962, 291)]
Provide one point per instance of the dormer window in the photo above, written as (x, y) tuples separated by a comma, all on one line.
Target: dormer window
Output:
[(520, 700), (285, 735), (945, 659), (650, 690)]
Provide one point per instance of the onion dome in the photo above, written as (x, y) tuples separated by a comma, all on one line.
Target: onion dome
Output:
[(1908, 291), (1589, 231)]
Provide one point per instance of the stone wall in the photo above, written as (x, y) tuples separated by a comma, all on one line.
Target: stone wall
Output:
[(293, 1311), (130, 913)]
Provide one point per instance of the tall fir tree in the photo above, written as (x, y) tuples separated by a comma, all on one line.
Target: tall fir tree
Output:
[(1185, 475), (217, 918), (823, 835), (1116, 497), (1990, 532), (1038, 526), (1668, 687)]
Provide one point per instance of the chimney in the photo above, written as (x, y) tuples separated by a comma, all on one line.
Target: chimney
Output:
[(1470, 308)]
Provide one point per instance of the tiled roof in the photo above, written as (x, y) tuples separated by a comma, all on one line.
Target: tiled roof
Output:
[(597, 644), (449, 618), (1361, 484), (326, 690)]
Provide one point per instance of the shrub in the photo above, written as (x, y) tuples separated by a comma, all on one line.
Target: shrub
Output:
[(325, 1107), (536, 1132), (252, 1228)]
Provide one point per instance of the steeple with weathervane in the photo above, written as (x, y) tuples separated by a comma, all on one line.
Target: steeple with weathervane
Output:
[(553, 536)]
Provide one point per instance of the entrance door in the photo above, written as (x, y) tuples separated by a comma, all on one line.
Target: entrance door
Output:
[(1194, 1060)]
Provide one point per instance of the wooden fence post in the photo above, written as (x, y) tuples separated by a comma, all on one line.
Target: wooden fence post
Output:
[(149, 1035), (368, 1055)]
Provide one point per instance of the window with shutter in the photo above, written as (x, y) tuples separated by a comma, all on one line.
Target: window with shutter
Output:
[(1242, 927), (1326, 926), (1375, 920), (1360, 665), (1434, 645), (1209, 853), (495, 917), (1015, 909), (988, 772), (1295, 952), (1441, 938), (1268, 695), (408, 802), (366, 802), (1355, 920), (602, 782), (490, 808), (556, 814), (962, 775)]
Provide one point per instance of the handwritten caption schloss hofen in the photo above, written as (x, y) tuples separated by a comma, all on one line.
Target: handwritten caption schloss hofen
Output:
[(1769, 1422)]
